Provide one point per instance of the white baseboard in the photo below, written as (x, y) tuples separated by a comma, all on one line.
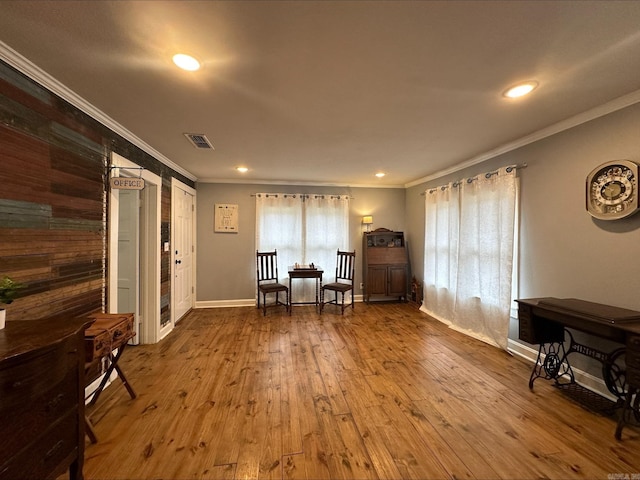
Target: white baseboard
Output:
[(243, 302), (593, 383)]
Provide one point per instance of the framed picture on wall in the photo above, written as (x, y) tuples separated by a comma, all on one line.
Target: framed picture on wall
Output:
[(225, 218)]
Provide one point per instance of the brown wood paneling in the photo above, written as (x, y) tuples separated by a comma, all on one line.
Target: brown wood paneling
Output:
[(165, 257), (76, 165), (74, 300), (24, 160), (53, 232), (37, 242)]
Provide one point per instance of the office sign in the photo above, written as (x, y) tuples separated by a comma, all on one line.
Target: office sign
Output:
[(126, 183)]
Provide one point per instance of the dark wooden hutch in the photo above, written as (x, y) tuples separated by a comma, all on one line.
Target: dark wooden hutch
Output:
[(385, 264)]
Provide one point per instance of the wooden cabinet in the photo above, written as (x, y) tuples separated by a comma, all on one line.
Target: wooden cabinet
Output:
[(385, 264), (42, 398)]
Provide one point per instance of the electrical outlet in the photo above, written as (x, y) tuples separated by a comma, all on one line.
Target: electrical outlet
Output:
[(361, 286)]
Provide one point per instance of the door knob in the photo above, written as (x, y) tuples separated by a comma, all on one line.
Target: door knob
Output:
[(178, 262)]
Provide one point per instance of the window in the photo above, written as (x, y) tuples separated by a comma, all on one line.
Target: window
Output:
[(469, 245), (304, 229)]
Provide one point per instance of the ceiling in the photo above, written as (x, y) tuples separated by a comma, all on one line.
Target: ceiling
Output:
[(331, 92)]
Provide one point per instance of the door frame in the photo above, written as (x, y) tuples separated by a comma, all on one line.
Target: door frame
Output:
[(128, 267), (191, 191), (149, 245)]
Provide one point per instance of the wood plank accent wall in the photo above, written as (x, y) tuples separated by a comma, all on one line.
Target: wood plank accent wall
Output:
[(53, 201), (165, 257)]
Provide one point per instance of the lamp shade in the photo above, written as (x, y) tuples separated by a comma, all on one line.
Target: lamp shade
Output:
[(367, 220)]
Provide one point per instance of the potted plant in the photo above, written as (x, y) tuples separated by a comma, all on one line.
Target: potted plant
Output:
[(9, 290)]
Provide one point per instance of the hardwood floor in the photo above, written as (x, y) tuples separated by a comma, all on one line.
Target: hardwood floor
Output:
[(381, 392)]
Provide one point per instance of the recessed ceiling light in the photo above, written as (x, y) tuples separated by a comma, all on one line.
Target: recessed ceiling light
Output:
[(380, 174), (242, 169), (186, 62), (520, 90)]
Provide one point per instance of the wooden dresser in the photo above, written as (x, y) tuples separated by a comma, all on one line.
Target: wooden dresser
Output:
[(42, 398)]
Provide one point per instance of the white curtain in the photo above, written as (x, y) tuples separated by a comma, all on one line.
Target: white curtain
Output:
[(279, 227), (469, 244), (303, 228)]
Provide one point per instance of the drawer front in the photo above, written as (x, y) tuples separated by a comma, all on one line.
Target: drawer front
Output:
[(123, 332), (525, 327), (113, 330), (34, 378), (97, 346), (539, 330), (47, 454), (27, 422)]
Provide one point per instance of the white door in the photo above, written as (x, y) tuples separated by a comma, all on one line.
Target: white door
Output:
[(183, 206), (128, 254)]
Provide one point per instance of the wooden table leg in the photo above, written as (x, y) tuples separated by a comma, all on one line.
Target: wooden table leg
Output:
[(89, 430), (113, 366), (129, 388)]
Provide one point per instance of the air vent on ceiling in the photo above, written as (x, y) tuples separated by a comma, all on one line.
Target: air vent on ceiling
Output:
[(199, 140)]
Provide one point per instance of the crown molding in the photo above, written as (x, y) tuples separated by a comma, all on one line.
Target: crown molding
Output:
[(584, 117), (35, 73), (245, 181)]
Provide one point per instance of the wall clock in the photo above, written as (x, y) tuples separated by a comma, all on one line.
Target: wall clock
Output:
[(612, 190)]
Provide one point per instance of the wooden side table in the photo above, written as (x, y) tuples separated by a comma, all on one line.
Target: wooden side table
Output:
[(107, 333), (316, 273)]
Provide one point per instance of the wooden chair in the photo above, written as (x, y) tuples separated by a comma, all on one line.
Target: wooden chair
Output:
[(267, 279), (345, 270)]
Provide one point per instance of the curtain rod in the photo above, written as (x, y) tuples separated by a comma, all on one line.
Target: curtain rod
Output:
[(301, 195), (509, 169)]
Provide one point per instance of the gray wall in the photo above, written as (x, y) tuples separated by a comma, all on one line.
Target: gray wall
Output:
[(564, 252), (226, 261)]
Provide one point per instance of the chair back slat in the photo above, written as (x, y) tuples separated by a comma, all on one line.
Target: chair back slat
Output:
[(345, 266), (267, 266)]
